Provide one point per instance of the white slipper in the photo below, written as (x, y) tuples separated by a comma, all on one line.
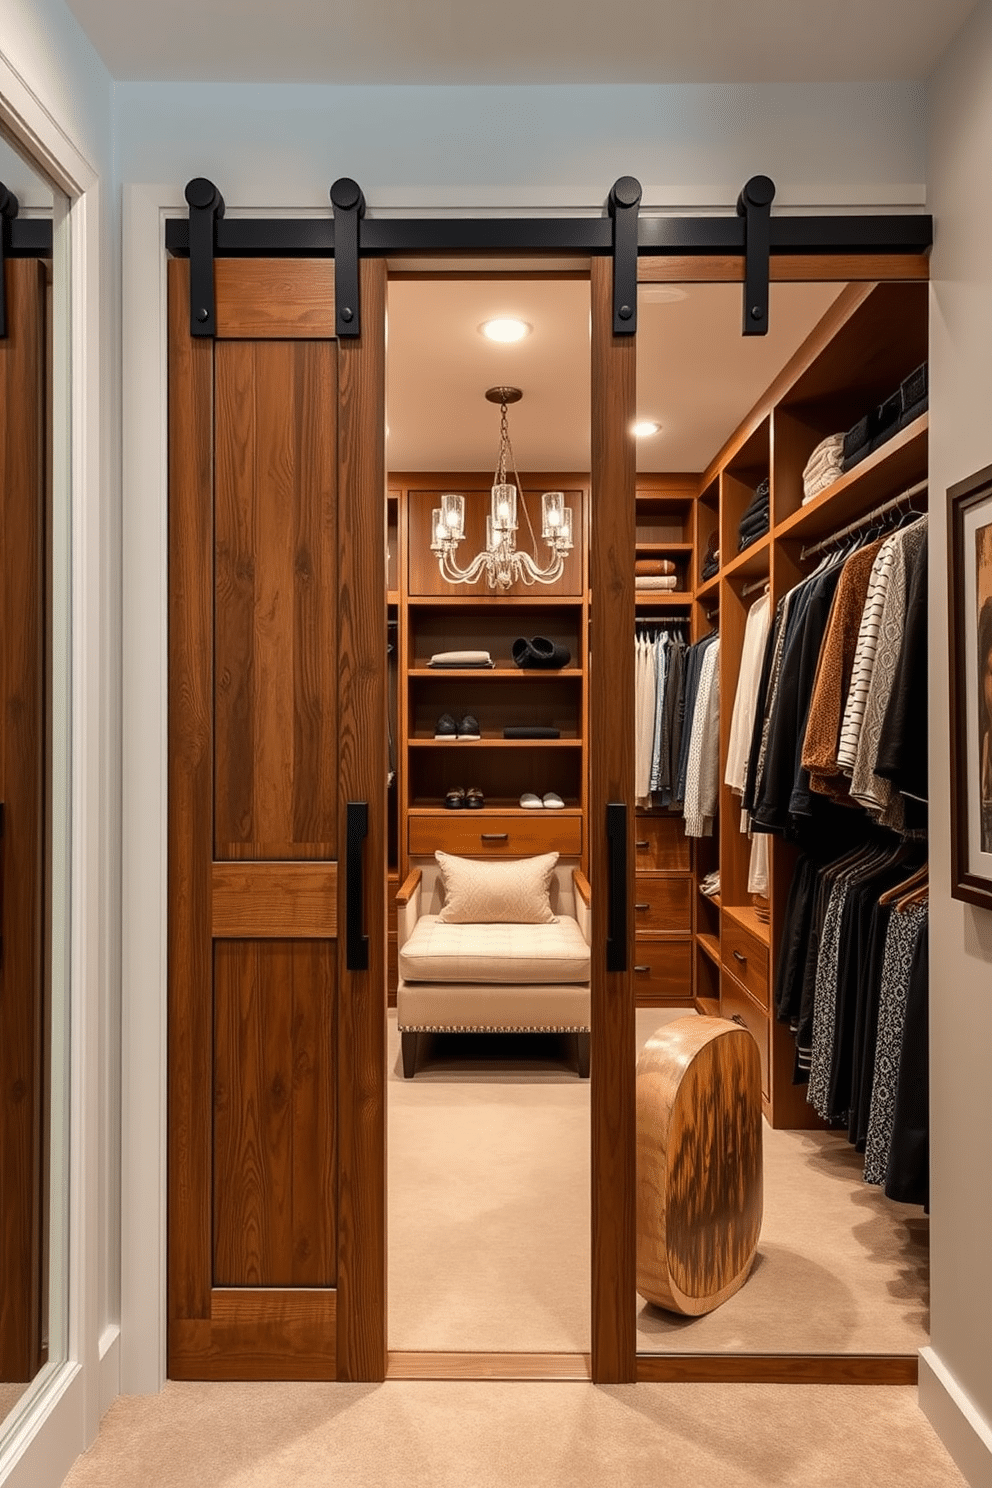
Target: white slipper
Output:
[(530, 801), (553, 801)]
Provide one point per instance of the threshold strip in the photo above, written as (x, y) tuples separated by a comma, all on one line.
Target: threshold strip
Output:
[(439, 1365), (778, 1369)]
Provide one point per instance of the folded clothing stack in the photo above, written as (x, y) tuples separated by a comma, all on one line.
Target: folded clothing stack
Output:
[(824, 466), (653, 568), (461, 659), (754, 523), (654, 582), (907, 403), (711, 559), (710, 885)]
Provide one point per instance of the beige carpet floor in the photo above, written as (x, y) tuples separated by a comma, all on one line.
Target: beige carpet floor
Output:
[(489, 1222), (468, 1435), (10, 1394), (488, 1195)]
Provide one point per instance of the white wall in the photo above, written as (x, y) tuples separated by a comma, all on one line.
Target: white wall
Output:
[(956, 1387), (528, 145), (51, 77)]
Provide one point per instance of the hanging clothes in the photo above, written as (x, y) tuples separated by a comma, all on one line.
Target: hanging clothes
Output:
[(703, 765)]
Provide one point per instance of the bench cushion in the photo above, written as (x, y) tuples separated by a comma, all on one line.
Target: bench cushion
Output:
[(436, 952)]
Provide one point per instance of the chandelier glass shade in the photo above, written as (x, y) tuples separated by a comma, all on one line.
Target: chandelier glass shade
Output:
[(501, 562)]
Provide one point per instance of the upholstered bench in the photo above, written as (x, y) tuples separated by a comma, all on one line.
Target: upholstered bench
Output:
[(492, 976)]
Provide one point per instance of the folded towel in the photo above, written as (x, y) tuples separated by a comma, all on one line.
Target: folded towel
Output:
[(461, 659), (665, 582), (654, 566), (824, 466)]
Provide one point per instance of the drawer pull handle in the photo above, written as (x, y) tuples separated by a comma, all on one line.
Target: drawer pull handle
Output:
[(494, 836), (643, 843), (736, 1018), (642, 969), (739, 956), (642, 906)]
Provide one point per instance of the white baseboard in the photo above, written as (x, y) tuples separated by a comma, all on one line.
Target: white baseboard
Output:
[(110, 1367), (961, 1427), (47, 1435)]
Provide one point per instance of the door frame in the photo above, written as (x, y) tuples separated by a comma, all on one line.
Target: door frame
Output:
[(146, 210)]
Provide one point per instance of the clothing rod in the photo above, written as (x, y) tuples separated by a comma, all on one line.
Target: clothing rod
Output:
[(751, 588), (865, 521)]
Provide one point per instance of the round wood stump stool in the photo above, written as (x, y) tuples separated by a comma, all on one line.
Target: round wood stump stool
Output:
[(699, 1179)]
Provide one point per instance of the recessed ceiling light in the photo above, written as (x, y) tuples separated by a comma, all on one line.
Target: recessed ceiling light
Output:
[(505, 328), (644, 428)]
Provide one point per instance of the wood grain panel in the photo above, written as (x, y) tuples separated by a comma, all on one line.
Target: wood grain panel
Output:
[(361, 1338), (778, 1369), (190, 804), (611, 778), (784, 267), (258, 1334), (23, 788), (663, 905), (275, 608), (660, 843), (275, 900), (274, 299), (478, 835), (487, 1366), (274, 1113), (741, 1008), (663, 973), (699, 1172)]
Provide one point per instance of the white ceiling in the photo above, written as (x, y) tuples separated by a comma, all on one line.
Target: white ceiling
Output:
[(696, 374), (520, 41)]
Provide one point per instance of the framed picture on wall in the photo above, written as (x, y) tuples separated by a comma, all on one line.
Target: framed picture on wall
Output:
[(970, 673)]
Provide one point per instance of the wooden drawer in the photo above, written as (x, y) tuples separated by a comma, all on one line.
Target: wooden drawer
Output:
[(660, 842), (746, 958), (663, 905), (475, 834), (663, 972), (740, 1008)]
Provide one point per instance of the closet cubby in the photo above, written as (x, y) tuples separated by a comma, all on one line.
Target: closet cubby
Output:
[(664, 529), (437, 616)]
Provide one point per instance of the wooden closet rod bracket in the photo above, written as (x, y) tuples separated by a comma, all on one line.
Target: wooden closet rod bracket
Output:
[(755, 205), (206, 206)]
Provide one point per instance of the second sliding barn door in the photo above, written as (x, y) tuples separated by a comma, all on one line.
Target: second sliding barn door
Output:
[(276, 846)]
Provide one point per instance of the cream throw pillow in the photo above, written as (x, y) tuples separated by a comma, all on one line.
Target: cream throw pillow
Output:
[(497, 893)]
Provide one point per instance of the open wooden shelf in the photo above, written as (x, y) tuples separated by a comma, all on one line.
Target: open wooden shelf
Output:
[(498, 673), (494, 741), (710, 945), (499, 806), (659, 549), (895, 466), (662, 599)]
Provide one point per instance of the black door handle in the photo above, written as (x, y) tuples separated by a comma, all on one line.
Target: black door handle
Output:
[(616, 857), (356, 948)]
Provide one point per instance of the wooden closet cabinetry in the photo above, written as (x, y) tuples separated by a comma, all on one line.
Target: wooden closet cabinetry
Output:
[(872, 338), (437, 616)]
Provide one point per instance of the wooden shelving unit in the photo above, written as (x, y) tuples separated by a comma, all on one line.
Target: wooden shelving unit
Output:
[(437, 616)]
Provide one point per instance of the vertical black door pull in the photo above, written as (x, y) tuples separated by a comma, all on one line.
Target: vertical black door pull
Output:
[(356, 943), (616, 857)]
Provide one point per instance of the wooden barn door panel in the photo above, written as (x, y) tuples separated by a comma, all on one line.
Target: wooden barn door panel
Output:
[(277, 683)]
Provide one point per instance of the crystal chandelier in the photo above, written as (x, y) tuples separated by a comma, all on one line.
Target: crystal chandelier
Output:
[(502, 562)]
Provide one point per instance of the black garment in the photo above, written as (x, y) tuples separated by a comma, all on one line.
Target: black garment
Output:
[(784, 779), (671, 729), (862, 901), (907, 1177), (866, 1027), (791, 960), (902, 745)]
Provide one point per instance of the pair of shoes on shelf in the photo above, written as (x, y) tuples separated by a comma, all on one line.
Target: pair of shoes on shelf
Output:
[(539, 652), (550, 799), (471, 799), (448, 727)]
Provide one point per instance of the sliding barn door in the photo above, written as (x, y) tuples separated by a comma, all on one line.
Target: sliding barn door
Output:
[(277, 784), (611, 822), (23, 843)]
